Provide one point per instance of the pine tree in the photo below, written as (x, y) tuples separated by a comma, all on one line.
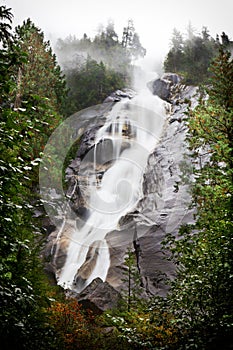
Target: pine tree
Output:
[(39, 83), (132, 280), (131, 41), (91, 84), (5, 25), (202, 293), (174, 59), (40, 75), (192, 57), (21, 276), (23, 286)]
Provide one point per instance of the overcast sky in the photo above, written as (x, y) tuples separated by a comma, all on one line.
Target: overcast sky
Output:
[(154, 20)]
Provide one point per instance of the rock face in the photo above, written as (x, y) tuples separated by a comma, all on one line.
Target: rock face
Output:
[(99, 296), (89, 126), (162, 209), (164, 206), (163, 87)]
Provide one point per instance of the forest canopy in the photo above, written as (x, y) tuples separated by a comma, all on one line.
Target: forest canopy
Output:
[(96, 67), (191, 55)]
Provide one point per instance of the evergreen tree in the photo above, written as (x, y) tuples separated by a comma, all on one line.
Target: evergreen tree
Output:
[(23, 285), (128, 33), (91, 84), (131, 41), (107, 48), (111, 36), (192, 57), (116, 56), (39, 82), (202, 293), (132, 279), (5, 25), (174, 59), (40, 75)]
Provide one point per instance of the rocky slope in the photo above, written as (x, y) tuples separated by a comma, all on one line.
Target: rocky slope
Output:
[(162, 209), (164, 206)]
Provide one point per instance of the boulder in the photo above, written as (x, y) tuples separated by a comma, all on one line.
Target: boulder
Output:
[(162, 87), (99, 293)]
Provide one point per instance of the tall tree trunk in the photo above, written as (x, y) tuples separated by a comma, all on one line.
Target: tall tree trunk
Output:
[(18, 101)]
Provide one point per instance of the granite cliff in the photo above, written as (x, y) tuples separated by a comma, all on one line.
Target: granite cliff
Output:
[(163, 207)]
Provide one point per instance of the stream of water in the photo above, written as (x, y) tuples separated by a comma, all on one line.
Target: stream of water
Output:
[(114, 173)]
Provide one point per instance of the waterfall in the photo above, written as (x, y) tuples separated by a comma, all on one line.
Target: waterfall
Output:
[(113, 172)]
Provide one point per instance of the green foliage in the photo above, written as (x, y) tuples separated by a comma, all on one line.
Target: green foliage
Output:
[(131, 41), (21, 279), (150, 328), (5, 25), (40, 88), (191, 58), (40, 75), (201, 295), (95, 68), (24, 127), (132, 294), (90, 85)]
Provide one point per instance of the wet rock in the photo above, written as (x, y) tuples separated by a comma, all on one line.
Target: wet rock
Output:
[(172, 78), (162, 87), (166, 196), (101, 294), (155, 269), (163, 208), (118, 242), (88, 266), (119, 94), (57, 244)]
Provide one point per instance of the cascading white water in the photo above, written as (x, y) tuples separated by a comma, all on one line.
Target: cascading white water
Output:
[(122, 147)]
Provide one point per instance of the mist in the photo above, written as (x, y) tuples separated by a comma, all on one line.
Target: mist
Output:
[(154, 20)]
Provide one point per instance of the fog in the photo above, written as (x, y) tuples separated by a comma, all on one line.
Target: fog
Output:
[(154, 20)]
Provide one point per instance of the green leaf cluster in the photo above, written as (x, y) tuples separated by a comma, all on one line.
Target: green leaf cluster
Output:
[(27, 116)]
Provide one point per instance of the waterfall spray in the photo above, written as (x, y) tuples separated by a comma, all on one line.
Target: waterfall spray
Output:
[(121, 150)]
